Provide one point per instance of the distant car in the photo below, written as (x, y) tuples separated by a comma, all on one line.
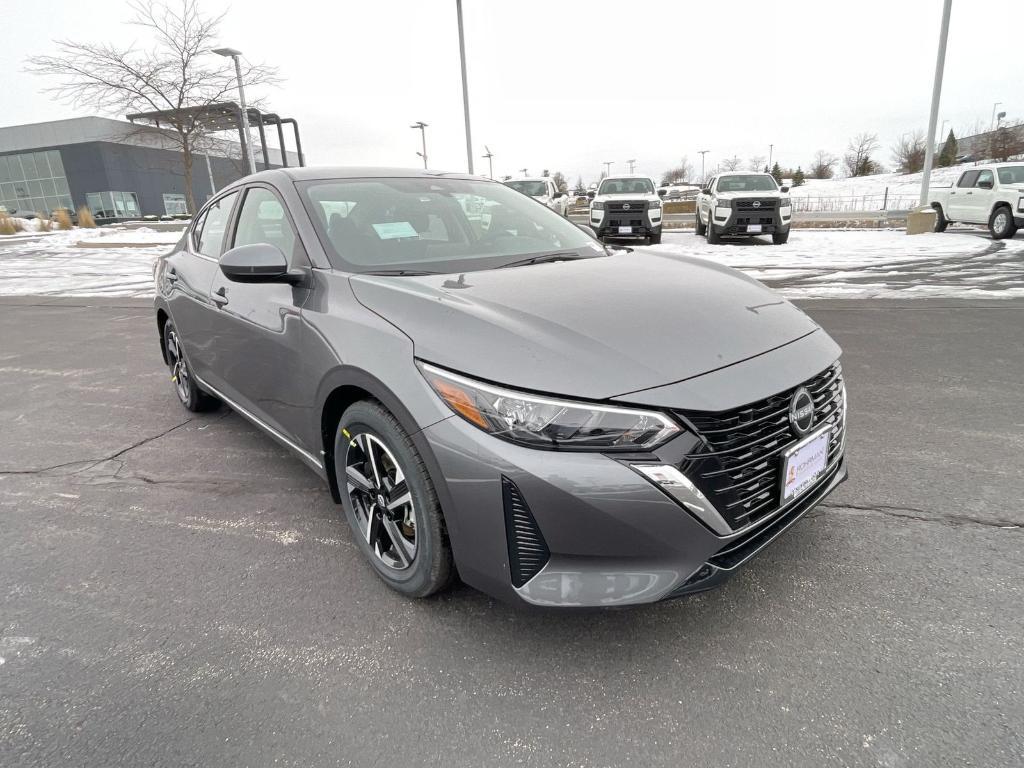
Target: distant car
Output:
[(987, 194), (737, 204), (543, 190), (627, 207)]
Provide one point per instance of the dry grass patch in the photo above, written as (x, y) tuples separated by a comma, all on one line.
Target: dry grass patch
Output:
[(85, 218), (9, 226), (62, 218), (43, 224)]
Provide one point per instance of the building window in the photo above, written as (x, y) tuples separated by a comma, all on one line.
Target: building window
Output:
[(113, 205), (174, 204), (34, 182)]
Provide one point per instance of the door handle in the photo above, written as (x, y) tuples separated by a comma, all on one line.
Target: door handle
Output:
[(220, 297)]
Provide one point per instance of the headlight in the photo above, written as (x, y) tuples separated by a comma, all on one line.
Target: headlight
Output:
[(1020, 204), (723, 203), (597, 205), (655, 204), (785, 202), (544, 422)]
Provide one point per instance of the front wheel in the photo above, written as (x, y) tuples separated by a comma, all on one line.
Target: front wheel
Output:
[(654, 239), (699, 227), (941, 222), (714, 238), (185, 387), (390, 501), (1001, 225), (780, 238)]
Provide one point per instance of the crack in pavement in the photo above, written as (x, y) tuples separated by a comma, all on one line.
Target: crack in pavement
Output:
[(90, 463), (923, 515)]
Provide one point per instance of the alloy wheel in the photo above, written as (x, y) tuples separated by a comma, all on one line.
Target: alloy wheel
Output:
[(381, 500), (999, 225), (179, 370)]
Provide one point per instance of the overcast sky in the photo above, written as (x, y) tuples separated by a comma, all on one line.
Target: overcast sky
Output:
[(567, 85)]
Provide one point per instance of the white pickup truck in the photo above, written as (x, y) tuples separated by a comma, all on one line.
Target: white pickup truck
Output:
[(543, 190), (626, 207), (985, 194), (737, 204)]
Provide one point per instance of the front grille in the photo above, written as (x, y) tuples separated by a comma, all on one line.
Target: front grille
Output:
[(527, 550), (747, 220), (738, 466), (766, 204), (634, 206)]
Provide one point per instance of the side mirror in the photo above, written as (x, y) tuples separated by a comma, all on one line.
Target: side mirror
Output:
[(986, 184), (258, 263), (589, 230), (662, 192), (706, 191), (591, 195), (558, 195), (783, 189)]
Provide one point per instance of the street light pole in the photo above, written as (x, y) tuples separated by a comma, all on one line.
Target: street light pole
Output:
[(423, 135), (933, 117), (631, 164), (771, 149), (994, 108), (490, 162), (608, 167), (702, 176), (235, 55), (465, 87)]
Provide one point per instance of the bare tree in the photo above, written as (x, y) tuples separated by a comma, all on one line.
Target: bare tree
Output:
[(858, 160), (908, 153), (731, 164), (176, 72), (1006, 141), (680, 173), (756, 163), (824, 165)]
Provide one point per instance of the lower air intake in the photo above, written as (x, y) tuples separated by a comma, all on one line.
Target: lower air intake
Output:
[(527, 550)]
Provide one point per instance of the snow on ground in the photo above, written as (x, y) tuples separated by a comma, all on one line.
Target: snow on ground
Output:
[(54, 265), (874, 263), (868, 193), (814, 264)]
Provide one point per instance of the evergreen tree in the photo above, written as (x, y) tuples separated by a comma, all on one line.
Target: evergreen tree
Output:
[(798, 177), (947, 156), (777, 172)]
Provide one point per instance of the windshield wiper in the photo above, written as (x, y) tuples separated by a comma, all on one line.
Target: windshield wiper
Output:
[(400, 272), (544, 258)]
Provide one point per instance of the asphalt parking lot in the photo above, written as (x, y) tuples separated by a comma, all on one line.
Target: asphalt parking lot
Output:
[(181, 591)]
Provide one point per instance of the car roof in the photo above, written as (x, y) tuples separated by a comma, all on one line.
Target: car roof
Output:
[(312, 172), (529, 178), (742, 173)]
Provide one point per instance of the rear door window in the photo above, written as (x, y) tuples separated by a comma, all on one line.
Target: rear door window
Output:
[(968, 179), (985, 175)]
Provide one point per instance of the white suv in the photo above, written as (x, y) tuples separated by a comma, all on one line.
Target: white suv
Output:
[(737, 204), (543, 190), (626, 207), (986, 194)]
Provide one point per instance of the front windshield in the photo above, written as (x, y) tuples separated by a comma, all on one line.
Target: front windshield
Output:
[(1012, 175), (434, 225), (626, 187), (754, 182), (531, 188)]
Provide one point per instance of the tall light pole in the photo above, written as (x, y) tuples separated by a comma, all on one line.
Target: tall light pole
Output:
[(608, 167), (423, 135), (771, 149), (933, 116), (234, 55), (702, 153), (523, 171), (994, 108), (490, 162), (465, 87), (631, 164)]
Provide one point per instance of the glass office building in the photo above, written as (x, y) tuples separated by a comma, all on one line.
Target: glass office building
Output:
[(34, 181)]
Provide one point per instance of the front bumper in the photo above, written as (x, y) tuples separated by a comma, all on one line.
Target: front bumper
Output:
[(641, 223), (608, 535), (733, 221)]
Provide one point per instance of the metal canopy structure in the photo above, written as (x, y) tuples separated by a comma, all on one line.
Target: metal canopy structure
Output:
[(227, 116)]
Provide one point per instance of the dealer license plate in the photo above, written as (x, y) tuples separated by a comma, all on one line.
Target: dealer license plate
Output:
[(753, 227), (804, 464), (625, 230)]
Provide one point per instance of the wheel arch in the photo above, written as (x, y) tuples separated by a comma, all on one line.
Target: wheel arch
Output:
[(346, 385), (162, 317)]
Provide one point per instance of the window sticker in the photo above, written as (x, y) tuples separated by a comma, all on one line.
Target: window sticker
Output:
[(393, 230)]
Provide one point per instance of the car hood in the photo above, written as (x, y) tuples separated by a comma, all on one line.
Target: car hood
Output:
[(731, 195), (628, 196), (593, 328)]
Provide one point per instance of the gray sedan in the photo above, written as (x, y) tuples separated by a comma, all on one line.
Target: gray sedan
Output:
[(489, 392)]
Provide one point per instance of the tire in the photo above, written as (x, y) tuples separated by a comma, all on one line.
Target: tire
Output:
[(1000, 223), (654, 239), (941, 222), (780, 238), (189, 394), (407, 545), (712, 234), (699, 228)]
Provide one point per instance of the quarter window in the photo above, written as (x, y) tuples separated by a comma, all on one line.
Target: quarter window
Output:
[(263, 220), (209, 237)]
